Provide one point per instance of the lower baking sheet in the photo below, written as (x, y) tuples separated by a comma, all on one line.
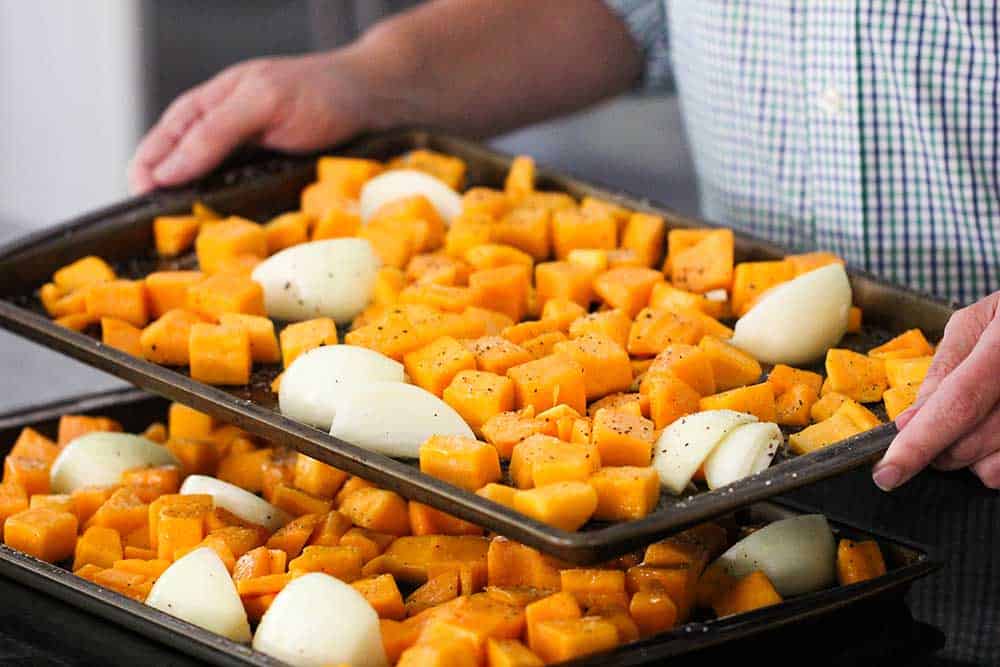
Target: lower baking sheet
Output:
[(906, 561)]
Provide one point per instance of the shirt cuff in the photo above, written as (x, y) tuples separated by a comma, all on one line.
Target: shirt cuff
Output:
[(646, 21)]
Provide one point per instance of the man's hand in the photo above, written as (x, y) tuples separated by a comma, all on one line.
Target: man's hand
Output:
[(291, 104), (955, 421)]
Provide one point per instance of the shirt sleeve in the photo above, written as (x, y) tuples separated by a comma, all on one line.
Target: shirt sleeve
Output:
[(647, 23)]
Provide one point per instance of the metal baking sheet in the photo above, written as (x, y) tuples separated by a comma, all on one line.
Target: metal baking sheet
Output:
[(268, 185), (906, 563)]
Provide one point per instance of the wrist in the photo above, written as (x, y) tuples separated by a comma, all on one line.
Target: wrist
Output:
[(381, 69)]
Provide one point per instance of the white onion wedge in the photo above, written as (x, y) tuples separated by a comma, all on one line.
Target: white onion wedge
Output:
[(332, 278), (320, 379), (242, 503), (198, 588), (99, 459), (684, 445), (798, 554), (798, 321), (400, 183), (393, 418), (746, 447), (318, 620)]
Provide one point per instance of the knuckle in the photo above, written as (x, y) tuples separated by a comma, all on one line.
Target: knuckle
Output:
[(990, 477)]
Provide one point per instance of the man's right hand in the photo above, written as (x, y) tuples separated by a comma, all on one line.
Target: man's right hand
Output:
[(290, 104)]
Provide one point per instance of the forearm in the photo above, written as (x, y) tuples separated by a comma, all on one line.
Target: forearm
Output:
[(484, 66)]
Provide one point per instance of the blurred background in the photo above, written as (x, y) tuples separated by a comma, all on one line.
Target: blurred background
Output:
[(80, 82)]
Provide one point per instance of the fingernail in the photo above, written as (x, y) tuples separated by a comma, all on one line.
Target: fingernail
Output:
[(169, 170), (887, 477)]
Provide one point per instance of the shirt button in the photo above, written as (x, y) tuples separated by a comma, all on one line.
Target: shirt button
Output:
[(831, 101)]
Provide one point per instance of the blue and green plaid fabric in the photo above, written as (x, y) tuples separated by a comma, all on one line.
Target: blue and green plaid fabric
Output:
[(866, 127)]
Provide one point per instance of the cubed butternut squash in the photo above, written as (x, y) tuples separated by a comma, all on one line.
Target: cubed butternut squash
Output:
[(479, 395), (461, 461), (226, 293), (622, 439), (605, 364), (563, 280), (121, 299), (435, 365), (263, 341), (706, 265), (83, 273), (644, 235), (858, 561), (731, 367), (377, 509), (625, 493), (222, 242), (856, 375), (750, 592), (670, 399), (174, 234), (564, 505), (579, 229), (756, 399), (100, 546), (906, 345), (752, 279), (549, 381), (653, 330), (167, 290), (43, 533), (525, 228), (627, 288), (121, 336), (504, 289), (167, 340), (220, 354), (304, 336)]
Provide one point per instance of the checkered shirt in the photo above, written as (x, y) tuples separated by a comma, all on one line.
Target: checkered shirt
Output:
[(869, 128)]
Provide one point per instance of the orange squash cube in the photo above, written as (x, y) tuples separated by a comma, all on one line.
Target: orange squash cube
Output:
[(653, 611), (377, 509), (827, 432), (793, 406), (263, 341), (179, 528), (317, 478), (13, 499), (341, 562), (60, 502), (751, 592), (335, 218), (564, 280), (510, 563), (123, 511), (558, 606), (30, 474), (185, 422), (435, 365), (688, 363), (43, 533), (707, 265), (752, 279), (653, 330), (856, 375), (98, 546), (549, 381), (757, 399), (121, 336), (625, 493), (614, 324), (304, 336), (167, 290), (287, 230), (416, 214), (731, 367), (495, 354), (543, 459), (623, 439), (525, 331), (578, 229), (670, 399), (175, 234), (605, 363), (226, 293), (348, 172), (510, 653), (82, 273), (222, 242), (121, 299), (293, 536), (446, 168), (527, 229), (33, 445), (564, 505), (906, 345), (461, 461), (167, 340), (197, 457), (565, 639), (858, 561), (297, 502), (627, 288), (479, 395), (897, 399), (220, 354), (520, 181), (596, 587), (784, 377), (506, 429), (644, 235), (383, 595), (828, 404), (485, 201), (504, 289), (907, 372)]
